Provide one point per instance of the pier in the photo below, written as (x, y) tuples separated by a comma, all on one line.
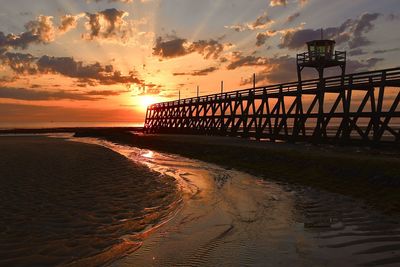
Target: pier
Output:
[(356, 107), (359, 107)]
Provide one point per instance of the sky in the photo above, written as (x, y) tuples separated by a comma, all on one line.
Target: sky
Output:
[(106, 60)]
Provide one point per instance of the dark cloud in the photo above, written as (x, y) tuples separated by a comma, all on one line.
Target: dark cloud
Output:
[(208, 49), (169, 49), (37, 31), (43, 28), (279, 70), (351, 31), (382, 51), (283, 69), (176, 47), (20, 63), (18, 40), (292, 17), (91, 73), (40, 95), (106, 24), (239, 60), (296, 39), (201, 72)]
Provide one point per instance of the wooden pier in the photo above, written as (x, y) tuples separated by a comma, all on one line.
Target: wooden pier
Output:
[(360, 107)]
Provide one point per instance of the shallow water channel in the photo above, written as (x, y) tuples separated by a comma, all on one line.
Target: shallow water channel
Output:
[(230, 218)]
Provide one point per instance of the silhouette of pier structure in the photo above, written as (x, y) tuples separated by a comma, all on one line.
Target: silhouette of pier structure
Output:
[(359, 107)]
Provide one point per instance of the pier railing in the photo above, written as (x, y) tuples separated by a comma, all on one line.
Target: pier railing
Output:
[(362, 106), (308, 57)]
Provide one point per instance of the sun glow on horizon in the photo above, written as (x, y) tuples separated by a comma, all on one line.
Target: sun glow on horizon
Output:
[(146, 100)]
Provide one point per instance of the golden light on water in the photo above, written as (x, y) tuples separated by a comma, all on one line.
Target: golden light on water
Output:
[(148, 155)]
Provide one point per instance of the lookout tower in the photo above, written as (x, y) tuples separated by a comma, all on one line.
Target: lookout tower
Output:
[(321, 55)]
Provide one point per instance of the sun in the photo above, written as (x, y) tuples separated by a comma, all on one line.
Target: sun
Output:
[(146, 100)]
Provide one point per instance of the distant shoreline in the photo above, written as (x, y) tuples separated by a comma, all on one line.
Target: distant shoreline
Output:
[(66, 130)]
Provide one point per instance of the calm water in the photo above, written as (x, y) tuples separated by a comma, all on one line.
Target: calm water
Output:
[(230, 218), (40, 125)]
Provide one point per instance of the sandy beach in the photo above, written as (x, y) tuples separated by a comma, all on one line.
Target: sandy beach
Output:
[(366, 173), (232, 218), (110, 200), (75, 204)]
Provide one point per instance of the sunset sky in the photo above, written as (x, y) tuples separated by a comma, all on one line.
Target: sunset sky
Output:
[(105, 60)]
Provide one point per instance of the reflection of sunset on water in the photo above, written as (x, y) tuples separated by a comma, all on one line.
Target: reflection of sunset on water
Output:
[(149, 154), (230, 218)]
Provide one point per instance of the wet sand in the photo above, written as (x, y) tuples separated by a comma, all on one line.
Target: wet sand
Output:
[(230, 218), (369, 174), (88, 215), (75, 204)]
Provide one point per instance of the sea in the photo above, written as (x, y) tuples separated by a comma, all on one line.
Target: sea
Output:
[(46, 125)]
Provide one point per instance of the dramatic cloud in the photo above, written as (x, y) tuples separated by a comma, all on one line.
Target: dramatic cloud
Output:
[(278, 70), (107, 24), (238, 60), (262, 22), (69, 22), (351, 31), (177, 47), (41, 95), (91, 74), (283, 69), (201, 72), (42, 27), (208, 49), (170, 49), (40, 30), (20, 63)]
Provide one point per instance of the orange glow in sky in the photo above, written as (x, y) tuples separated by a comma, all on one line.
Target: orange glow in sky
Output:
[(146, 100), (108, 60)]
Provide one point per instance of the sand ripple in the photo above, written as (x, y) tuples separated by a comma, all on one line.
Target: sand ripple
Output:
[(74, 204), (230, 218)]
